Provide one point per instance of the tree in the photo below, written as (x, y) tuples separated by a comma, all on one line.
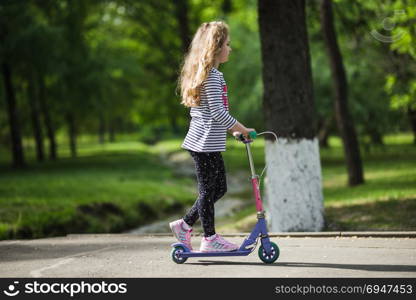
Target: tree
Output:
[(181, 13), (8, 34), (400, 83), (35, 114), (293, 186), (343, 117)]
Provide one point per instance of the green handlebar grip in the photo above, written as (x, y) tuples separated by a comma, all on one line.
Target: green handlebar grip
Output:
[(252, 134)]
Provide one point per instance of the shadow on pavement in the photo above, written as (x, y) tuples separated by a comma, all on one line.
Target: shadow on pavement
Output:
[(369, 267)]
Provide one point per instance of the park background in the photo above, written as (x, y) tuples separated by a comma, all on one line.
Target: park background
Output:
[(91, 125)]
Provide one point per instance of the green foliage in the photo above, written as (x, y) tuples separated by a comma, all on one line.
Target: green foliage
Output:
[(243, 70), (367, 60), (400, 84), (114, 65), (403, 100)]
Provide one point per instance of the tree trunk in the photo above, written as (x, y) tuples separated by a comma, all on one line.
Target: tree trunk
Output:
[(16, 138), (34, 113), (293, 184), (101, 129), (344, 120), (412, 118), (50, 131), (72, 134), (376, 137), (174, 125), (323, 131), (111, 131), (181, 13), (227, 7)]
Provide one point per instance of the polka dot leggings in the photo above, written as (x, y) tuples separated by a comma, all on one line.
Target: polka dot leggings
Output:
[(212, 185)]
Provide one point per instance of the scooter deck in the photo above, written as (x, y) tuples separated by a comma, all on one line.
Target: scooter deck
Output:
[(189, 253), (214, 253)]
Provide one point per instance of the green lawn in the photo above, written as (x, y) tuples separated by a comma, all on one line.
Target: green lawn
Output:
[(116, 186), (387, 200)]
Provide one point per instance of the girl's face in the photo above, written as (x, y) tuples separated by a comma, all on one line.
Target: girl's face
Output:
[(225, 51)]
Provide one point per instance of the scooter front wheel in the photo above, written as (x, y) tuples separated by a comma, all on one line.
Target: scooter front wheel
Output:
[(269, 258), (175, 255)]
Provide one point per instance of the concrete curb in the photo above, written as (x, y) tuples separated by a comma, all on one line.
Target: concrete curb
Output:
[(329, 234)]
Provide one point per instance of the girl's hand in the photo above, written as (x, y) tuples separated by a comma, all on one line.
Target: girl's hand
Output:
[(241, 129), (246, 133)]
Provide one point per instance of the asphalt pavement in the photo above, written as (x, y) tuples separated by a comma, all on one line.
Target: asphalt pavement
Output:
[(329, 255)]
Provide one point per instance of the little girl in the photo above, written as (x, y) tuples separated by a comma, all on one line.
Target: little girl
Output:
[(203, 89)]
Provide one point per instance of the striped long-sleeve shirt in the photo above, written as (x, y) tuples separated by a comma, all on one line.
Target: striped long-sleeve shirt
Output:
[(210, 120)]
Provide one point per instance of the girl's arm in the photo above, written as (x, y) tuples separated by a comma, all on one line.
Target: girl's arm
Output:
[(213, 90)]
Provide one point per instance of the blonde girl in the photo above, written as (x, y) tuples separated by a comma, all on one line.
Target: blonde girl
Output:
[(204, 90)]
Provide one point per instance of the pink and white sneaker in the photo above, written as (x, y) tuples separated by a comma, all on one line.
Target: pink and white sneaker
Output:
[(181, 233), (218, 243)]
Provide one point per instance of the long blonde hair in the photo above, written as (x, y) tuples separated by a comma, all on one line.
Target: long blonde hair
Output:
[(199, 60)]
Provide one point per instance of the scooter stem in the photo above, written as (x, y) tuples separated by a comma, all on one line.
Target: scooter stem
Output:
[(254, 179), (250, 159)]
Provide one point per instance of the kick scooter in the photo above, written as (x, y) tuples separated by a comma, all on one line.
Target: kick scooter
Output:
[(268, 251)]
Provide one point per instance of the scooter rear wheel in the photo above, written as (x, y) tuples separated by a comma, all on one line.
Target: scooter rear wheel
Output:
[(269, 258), (175, 256)]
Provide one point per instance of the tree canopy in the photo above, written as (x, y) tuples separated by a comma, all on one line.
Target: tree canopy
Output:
[(107, 67)]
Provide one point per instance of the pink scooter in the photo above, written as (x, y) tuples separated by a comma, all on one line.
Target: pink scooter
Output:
[(268, 251)]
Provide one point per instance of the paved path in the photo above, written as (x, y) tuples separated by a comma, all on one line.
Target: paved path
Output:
[(126, 255)]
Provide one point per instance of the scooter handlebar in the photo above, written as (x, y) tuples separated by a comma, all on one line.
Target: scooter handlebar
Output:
[(240, 137)]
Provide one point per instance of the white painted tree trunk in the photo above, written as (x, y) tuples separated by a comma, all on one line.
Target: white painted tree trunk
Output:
[(293, 187)]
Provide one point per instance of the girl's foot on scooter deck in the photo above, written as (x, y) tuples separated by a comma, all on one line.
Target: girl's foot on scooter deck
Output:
[(217, 243), (182, 232)]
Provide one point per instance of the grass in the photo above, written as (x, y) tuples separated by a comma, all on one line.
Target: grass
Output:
[(396, 214), (115, 186), (108, 188)]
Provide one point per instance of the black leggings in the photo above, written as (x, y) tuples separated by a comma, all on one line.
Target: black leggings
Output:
[(212, 185)]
